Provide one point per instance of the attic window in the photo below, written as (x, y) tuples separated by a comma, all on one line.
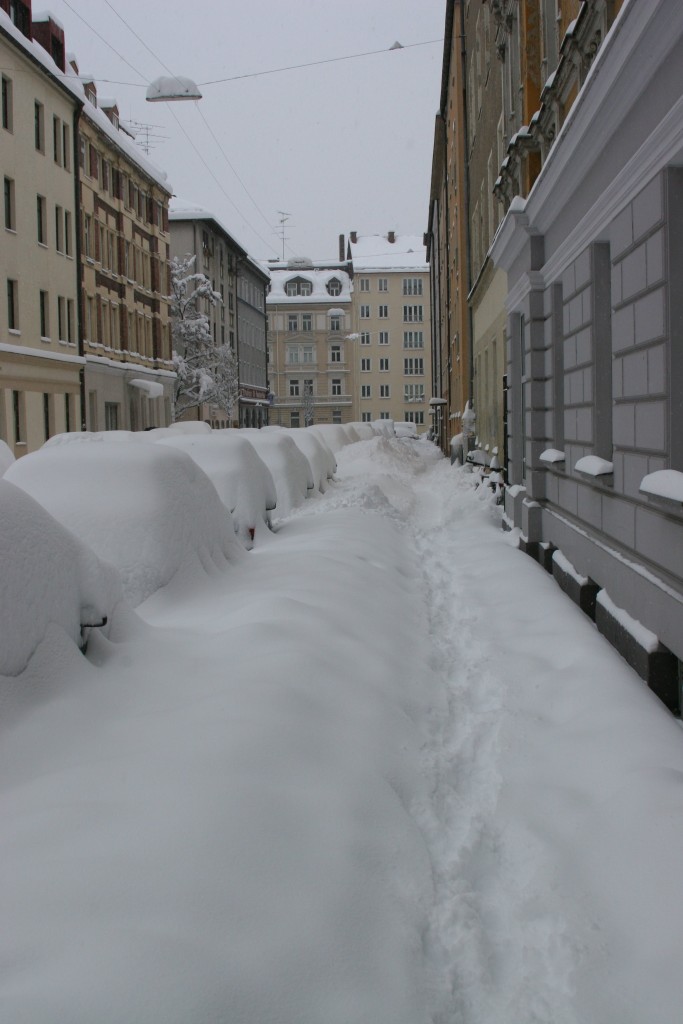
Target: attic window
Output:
[(334, 286), (298, 286)]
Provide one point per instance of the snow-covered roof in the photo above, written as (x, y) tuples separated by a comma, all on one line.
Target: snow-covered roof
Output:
[(376, 252), (74, 84), (319, 280), (183, 210)]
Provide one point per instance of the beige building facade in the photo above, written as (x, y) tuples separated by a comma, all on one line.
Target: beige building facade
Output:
[(391, 311), (311, 347), (40, 364)]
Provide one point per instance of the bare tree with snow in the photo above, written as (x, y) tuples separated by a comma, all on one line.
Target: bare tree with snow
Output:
[(206, 373)]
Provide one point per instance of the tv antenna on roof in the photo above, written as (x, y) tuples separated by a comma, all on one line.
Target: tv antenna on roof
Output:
[(284, 217)]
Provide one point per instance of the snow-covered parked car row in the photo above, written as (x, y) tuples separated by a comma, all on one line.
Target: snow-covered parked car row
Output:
[(94, 520)]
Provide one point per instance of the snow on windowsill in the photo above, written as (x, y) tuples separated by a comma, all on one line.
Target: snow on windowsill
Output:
[(665, 483), (551, 455), (566, 567), (640, 633), (593, 465)]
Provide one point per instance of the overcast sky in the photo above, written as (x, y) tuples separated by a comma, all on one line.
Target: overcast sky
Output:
[(341, 146)]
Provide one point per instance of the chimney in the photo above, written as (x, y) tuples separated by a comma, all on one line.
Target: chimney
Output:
[(391, 237), (353, 235), (50, 34), (73, 63), (342, 249)]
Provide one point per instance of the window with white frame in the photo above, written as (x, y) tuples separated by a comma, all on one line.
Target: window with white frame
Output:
[(300, 354), (7, 104), (294, 420), (335, 353), (413, 366), (413, 339), (365, 284), (366, 391), (383, 312), (293, 322), (366, 417), (383, 284), (41, 217), (384, 415), (335, 322), (44, 315), (334, 286), (306, 322), (411, 416), (412, 286), (298, 286), (412, 314), (384, 337), (336, 387), (10, 215), (293, 388), (365, 337), (365, 312), (385, 391), (384, 365), (413, 392), (365, 365)]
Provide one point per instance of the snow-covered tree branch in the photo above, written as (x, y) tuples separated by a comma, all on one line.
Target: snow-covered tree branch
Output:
[(206, 373)]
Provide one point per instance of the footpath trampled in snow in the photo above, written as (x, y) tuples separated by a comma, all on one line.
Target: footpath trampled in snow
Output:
[(380, 770)]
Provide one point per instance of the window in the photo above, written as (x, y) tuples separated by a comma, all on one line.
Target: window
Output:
[(41, 218), (366, 365), (366, 417), (44, 315), (57, 139), (298, 286), (66, 147), (384, 365), (413, 392), (383, 312), (384, 337), (294, 419), (70, 320), (365, 312), (308, 386), (413, 339), (414, 417), (366, 391), (111, 416), (88, 237), (18, 417), (384, 415), (412, 314), (300, 354), (385, 391), (412, 286), (336, 387), (413, 366), (306, 322), (335, 322), (334, 286), (294, 388), (365, 284), (335, 353), (82, 145), (12, 305), (365, 338), (59, 229), (67, 233), (7, 104), (47, 415), (336, 416), (293, 322), (61, 318), (39, 126), (8, 190), (383, 284)]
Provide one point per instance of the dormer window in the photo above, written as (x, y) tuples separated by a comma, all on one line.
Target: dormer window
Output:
[(298, 286), (334, 286)]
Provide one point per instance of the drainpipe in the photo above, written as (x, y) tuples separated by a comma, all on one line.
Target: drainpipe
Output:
[(468, 225), (77, 253)]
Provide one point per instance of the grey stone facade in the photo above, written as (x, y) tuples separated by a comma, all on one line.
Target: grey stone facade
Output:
[(594, 258)]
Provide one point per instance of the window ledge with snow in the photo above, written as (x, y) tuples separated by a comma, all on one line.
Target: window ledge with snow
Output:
[(551, 455), (593, 465), (665, 484)]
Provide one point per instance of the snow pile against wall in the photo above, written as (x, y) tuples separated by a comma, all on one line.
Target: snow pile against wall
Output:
[(147, 509), (6, 457), (48, 580), (242, 480)]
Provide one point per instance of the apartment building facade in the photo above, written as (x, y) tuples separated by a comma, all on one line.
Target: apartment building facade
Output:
[(239, 319), (124, 254), (391, 312), (311, 347), (41, 367)]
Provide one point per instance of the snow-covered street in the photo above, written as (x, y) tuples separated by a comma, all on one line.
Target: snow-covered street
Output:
[(378, 771)]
